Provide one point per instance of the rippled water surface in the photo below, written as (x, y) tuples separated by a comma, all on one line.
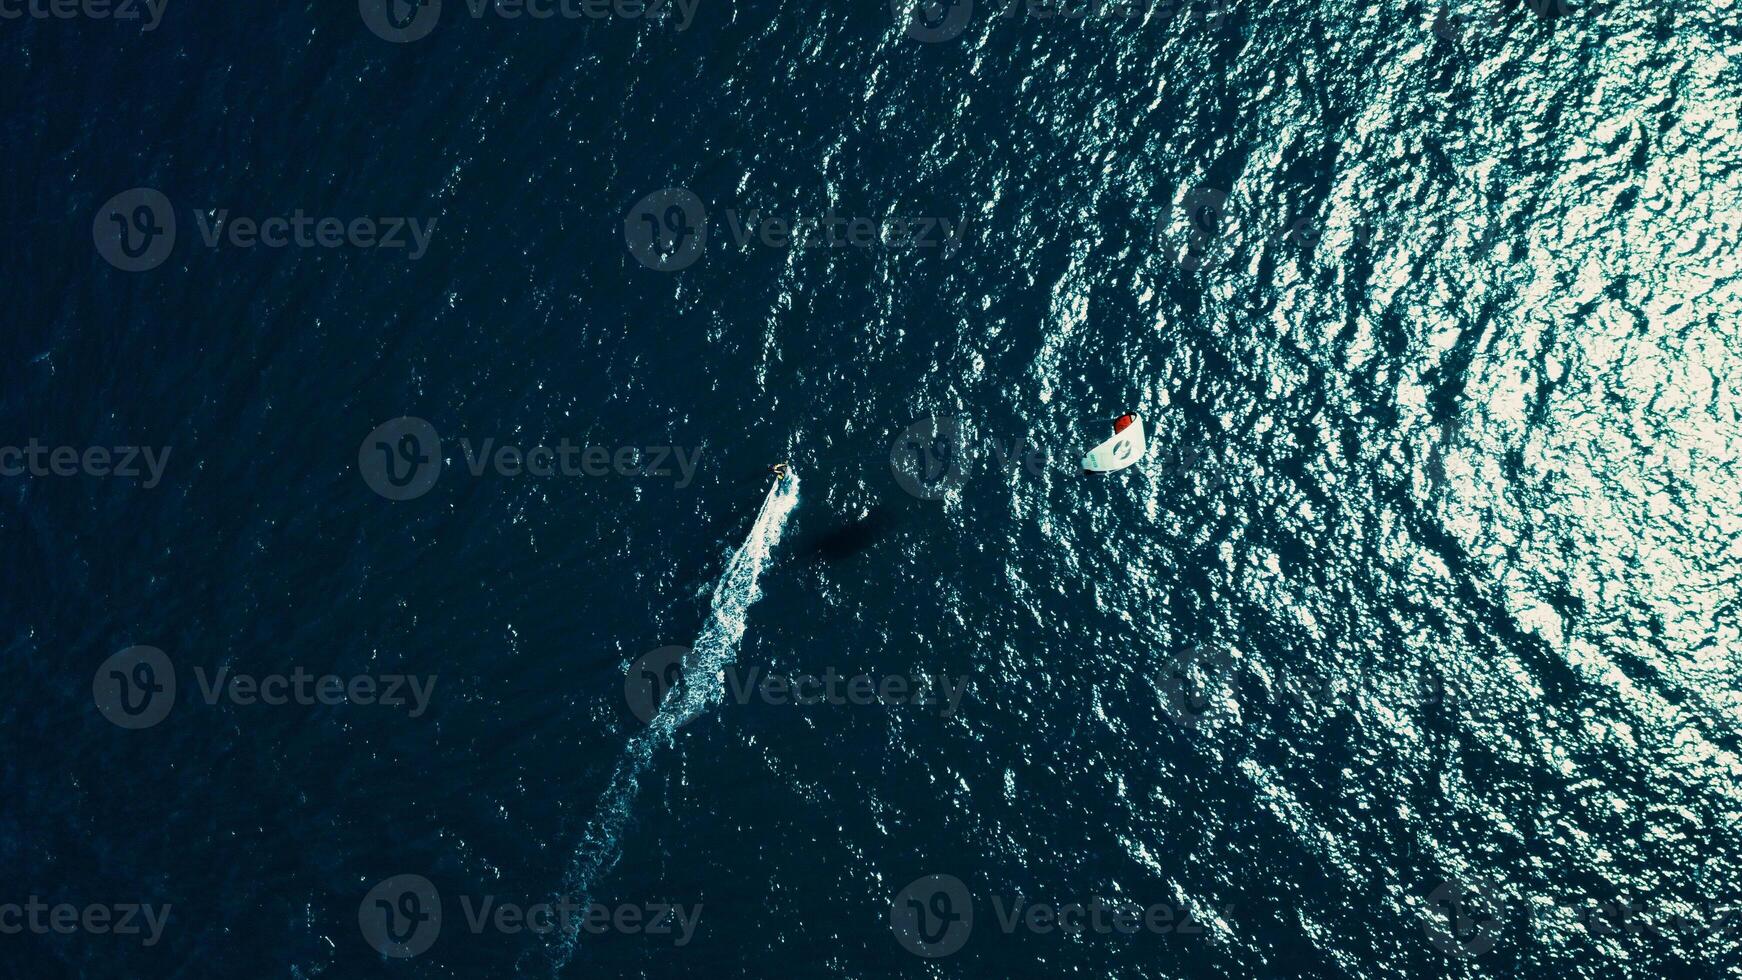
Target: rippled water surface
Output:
[(1411, 648)]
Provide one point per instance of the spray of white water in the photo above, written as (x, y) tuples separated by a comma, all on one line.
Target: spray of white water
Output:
[(703, 686)]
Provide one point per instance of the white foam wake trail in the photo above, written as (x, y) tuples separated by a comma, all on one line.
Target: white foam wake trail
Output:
[(717, 644), (702, 687)]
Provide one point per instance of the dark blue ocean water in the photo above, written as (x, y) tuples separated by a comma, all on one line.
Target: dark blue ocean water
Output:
[(1411, 647)]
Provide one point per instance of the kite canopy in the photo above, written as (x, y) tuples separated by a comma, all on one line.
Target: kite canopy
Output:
[(1124, 448)]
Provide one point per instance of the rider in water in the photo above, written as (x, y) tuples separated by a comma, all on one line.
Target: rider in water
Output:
[(779, 470)]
